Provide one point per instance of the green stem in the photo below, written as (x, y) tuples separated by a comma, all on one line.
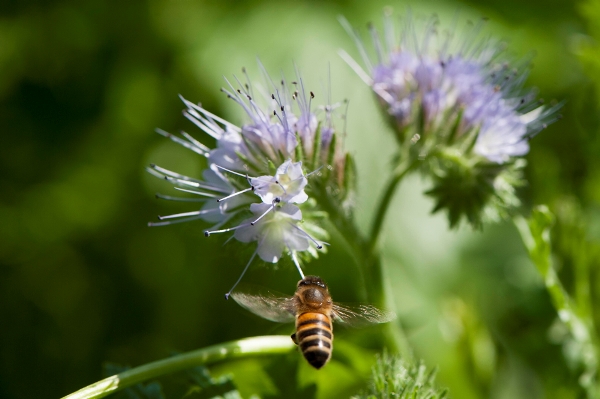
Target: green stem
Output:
[(535, 234), (384, 204), (265, 345), (382, 294)]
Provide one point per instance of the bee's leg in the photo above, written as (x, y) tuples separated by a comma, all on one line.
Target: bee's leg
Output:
[(294, 338)]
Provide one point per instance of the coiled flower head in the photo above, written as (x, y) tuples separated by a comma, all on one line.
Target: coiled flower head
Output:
[(257, 180), (458, 109)]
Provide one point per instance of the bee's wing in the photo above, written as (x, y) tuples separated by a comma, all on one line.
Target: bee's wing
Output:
[(269, 305), (360, 315)]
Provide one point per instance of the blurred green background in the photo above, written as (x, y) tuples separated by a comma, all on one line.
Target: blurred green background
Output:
[(84, 281)]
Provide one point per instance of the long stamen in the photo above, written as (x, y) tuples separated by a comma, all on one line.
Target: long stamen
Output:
[(178, 179), (184, 214), (214, 131), (195, 142), (182, 181), (272, 207), (191, 146), (195, 192), (242, 275), (317, 244), (193, 106), (295, 259), (179, 199), (308, 174), (230, 171), (182, 220), (162, 172), (234, 194), (281, 185), (208, 233)]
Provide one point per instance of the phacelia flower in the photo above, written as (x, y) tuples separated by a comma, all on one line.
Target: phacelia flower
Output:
[(278, 231), (262, 169), (286, 186), (453, 98)]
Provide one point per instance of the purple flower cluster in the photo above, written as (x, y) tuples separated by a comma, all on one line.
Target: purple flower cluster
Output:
[(257, 169), (419, 79)]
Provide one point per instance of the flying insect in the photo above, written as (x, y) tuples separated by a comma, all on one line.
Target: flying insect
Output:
[(313, 311)]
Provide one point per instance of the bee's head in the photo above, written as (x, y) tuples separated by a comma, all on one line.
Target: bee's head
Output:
[(312, 280)]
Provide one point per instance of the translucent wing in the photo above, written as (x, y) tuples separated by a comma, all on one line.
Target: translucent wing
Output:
[(269, 305), (360, 315)]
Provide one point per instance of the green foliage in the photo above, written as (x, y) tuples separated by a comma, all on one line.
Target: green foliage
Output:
[(394, 377), (580, 340), (207, 387)]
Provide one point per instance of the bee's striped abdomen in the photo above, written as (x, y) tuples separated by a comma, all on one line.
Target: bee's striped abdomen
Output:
[(314, 336)]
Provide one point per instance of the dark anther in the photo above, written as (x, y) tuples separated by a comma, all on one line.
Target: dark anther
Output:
[(442, 64), (277, 200), (244, 69), (273, 96), (522, 101), (312, 95), (274, 113), (239, 91), (249, 98), (294, 83), (282, 82), (282, 108), (206, 234)]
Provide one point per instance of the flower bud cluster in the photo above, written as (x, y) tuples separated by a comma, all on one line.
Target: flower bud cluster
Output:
[(256, 182)]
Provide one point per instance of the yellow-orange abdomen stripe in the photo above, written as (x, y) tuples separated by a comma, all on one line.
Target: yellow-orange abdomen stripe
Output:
[(313, 331)]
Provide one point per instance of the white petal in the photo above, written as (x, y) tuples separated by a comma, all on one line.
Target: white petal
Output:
[(270, 246), (296, 241)]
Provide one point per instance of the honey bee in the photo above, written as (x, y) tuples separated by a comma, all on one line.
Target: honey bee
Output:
[(313, 310)]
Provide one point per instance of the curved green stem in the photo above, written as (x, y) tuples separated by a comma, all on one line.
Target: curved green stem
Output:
[(265, 345), (384, 204), (373, 266)]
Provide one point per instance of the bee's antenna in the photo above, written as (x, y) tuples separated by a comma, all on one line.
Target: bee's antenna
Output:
[(295, 259), (242, 275)]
